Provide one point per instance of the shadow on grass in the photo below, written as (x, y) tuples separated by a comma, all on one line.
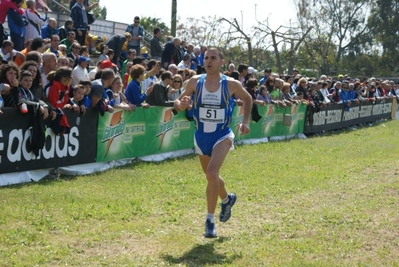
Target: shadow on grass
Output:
[(202, 254)]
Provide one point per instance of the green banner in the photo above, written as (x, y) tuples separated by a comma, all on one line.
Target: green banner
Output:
[(157, 130), (142, 132), (271, 123)]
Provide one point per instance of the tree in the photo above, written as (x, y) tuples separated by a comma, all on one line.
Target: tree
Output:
[(384, 24), (339, 26)]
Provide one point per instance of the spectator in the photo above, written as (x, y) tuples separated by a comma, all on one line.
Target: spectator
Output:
[(172, 68), (74, 54), (285, 95), (37, 85), (36, 21), (110, 54), (93, 72), (129, 66), (5, 6), (131, 54), (76, 102), (155, 45), (108, 64), (57, 94), (80, 71), (334, 92), (150, 77), (99, 98), (84, 51), (103, 52), (326, 94), (49, 64), (16, 25), (54, 43), (36, 108), (263, 95), (137, 33), (34, 56), (85, 4), (159, 94), (302, 87), (79, 18), (200, 58), (62, 49), (69, 41), (37, 44), (118, 97), (266, 73), (243, 71), (133, 90), (8, 53), (49, 29), (168, 53), (176, 89), (9, 74), (86, 99), (67, 27), (116, 43), (185, 63)]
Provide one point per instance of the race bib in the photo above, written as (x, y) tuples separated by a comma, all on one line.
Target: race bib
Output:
[(211, 113)]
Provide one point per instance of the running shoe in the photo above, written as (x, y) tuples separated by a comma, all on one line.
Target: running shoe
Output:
[(225, 213)]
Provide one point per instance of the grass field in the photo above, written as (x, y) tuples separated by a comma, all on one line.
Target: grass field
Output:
[(322, 201)]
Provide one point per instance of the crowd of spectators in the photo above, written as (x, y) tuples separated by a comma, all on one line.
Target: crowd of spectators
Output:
[(45, 70)]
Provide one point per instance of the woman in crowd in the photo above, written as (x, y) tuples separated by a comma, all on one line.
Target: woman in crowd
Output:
[(176, 88), (118, 97), (9, 74)]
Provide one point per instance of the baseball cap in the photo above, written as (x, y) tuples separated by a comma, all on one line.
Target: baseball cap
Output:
[(251, 70), (107, 64), (83, 59)]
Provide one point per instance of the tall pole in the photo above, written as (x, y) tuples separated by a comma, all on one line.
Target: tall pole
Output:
[(173, 21)]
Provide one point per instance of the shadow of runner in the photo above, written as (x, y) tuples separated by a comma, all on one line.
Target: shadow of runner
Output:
[(201, 255)]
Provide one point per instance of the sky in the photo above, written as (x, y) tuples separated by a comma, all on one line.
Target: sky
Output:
[(279, 12)]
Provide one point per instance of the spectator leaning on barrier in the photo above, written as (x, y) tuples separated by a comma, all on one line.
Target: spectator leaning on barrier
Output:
[(159, 94), (133, 91), (99, 98)]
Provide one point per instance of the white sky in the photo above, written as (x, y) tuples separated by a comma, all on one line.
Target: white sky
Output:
[(279, 12)]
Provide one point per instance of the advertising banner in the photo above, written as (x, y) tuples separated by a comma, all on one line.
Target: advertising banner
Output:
[(142, 132), (272, 121), (76, 147), (335, 116)]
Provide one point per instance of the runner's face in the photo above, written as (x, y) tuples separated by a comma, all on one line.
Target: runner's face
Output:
[(212, 61)]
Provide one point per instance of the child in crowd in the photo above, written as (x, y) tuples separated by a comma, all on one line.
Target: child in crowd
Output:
[(86, 99), (126, 76), (84, 51), (110, 54), (103, 51), (76, 102), (28, 103), (57, 94)]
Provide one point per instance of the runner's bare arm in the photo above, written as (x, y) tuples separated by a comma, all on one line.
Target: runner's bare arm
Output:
[(183, 101), (236, 88)]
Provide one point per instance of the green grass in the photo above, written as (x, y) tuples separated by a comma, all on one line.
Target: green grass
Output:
[(323, 201)]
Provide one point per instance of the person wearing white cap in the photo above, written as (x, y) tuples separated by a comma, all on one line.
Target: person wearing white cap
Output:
[(80, 71)]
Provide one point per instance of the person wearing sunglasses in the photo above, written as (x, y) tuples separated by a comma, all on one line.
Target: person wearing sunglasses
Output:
[(137, 33)]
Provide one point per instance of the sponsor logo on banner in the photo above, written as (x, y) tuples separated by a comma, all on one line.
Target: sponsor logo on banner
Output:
[(115, 129), (56, 146), (165, 126), (267, 119)]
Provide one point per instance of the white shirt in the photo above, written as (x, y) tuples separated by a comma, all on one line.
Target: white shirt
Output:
[(79, 74), (8, 56)]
